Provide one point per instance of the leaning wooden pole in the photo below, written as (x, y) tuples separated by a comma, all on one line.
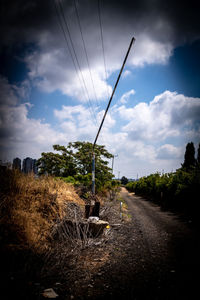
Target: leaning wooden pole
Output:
[(118, 78)]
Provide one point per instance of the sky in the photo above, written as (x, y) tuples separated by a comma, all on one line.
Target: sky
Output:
[(59, 63)]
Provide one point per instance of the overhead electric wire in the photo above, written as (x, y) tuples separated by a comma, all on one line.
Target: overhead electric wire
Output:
[(72, 44), (65, 37), (102, 44), (74, 58), (69, 49), (85, 50)]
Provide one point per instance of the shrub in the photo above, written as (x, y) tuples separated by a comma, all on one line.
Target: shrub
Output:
[(179, 190)]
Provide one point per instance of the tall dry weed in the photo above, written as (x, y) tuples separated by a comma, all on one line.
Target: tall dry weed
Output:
[(30, 206)]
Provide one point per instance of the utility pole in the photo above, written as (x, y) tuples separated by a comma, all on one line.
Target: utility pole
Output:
[(113, 157), (93, 152), (118, 175), (93, 172)]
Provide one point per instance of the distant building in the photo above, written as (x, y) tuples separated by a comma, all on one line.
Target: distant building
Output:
[(35, 167), (17, 163), (29, 165)]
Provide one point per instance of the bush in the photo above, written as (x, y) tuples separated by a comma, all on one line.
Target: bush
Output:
[(179, 190)]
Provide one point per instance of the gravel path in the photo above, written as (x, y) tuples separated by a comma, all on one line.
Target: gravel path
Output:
[(155, 256), (166, 249)]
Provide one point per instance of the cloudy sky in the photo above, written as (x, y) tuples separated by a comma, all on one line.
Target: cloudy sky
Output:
[(59, 63)]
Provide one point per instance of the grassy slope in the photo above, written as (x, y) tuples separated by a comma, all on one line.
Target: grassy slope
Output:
[(30, 207)]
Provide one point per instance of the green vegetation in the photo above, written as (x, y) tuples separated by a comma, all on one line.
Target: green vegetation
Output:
[(74, 164), (179, 190), (124, 180)]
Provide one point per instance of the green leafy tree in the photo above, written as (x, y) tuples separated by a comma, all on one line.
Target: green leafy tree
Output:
[(189, 159), (57, 164), (82, 153), (76, 160), (124, 180)]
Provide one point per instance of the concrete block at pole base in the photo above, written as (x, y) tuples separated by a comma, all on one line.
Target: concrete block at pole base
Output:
[(91, 228), (97, 228)]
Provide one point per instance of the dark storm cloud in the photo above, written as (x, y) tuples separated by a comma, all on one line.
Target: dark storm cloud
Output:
[(182, 15), (24, 20)]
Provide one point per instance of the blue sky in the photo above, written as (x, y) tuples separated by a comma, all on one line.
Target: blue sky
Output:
[(155, 110)]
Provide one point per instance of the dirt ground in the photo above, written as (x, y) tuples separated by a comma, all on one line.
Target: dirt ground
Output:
[(146, 254)]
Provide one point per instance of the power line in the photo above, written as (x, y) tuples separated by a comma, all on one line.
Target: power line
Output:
[(71, 54), (102, 44), (72, 44), (77, 61), (85, 50)]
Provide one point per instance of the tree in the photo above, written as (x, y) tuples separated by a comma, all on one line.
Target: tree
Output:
[(82, 153), (198, 156), (189, 159), (124, 180), (57, 164), (76, 160)]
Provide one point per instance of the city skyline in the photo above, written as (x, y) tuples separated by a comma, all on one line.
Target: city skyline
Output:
[(27, 165)]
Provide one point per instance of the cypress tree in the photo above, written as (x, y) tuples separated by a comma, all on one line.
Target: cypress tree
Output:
[(198, 156), (189, 159)]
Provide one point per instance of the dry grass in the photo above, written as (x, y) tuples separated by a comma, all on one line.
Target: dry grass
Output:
[(30, 206)]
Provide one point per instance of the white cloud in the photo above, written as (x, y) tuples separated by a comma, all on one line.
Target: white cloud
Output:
[(69, 112), (148, 50), (20, 135), (126, 74), (109, 120), (125, 97), (9, 94), (76, 123), (52, 71), (167, 116), (169, 151)]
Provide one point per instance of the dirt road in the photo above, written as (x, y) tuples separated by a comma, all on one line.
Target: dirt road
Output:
[(164, 257), (154, 256)]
